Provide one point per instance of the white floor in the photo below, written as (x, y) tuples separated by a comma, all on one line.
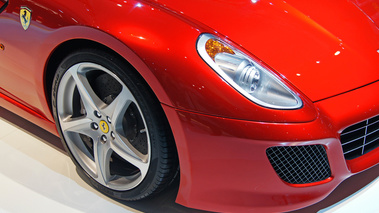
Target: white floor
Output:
[(37, 176)]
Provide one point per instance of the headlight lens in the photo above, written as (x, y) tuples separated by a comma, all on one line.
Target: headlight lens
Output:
[(245, 75)]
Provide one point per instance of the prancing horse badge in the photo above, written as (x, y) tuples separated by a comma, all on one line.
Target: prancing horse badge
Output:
[(25, 17)]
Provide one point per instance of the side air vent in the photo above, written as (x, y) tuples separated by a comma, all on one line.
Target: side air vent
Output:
[(360, 138), (300, 164)]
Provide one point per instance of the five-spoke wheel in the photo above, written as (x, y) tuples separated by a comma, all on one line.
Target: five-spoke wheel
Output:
[(112, 125)]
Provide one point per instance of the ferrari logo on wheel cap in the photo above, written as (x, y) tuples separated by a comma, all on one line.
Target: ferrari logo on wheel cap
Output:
[(104, 127), (25, 17)]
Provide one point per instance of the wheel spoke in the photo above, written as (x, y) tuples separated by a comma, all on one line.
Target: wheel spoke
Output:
[(119, 105), (80, 125), (124, 149), (102, 154), (89, 98)]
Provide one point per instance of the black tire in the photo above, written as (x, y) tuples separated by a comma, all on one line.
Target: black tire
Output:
[(112, 125)]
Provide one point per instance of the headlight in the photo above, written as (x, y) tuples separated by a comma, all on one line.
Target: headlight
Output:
[(245, 75)]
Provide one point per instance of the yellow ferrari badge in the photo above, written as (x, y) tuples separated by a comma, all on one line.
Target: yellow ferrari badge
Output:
[(25, 17), (104, 127)]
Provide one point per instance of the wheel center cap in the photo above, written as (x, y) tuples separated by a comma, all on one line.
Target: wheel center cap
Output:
[(104, 127)]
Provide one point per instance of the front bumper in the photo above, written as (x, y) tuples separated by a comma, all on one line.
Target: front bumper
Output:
[(224, 166)]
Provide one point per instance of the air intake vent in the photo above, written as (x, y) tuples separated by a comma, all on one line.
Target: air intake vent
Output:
[(360, 138), (300, 164)]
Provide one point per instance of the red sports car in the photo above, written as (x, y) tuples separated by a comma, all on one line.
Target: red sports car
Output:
[(257, 105)]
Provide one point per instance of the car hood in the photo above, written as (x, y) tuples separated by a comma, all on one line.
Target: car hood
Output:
[(323, 47)]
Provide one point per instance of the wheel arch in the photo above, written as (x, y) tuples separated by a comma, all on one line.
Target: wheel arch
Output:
[(91, 38)]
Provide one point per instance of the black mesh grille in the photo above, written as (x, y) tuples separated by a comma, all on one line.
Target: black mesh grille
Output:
[(300, 164), (360, 138)]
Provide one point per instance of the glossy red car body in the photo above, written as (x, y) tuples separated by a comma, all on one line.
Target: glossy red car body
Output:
[(326, 51)]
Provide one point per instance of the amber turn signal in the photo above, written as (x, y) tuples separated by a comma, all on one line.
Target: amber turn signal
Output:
[(213, 47)]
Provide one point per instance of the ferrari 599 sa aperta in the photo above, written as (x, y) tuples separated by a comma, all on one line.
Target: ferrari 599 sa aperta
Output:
[(258, 105)]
